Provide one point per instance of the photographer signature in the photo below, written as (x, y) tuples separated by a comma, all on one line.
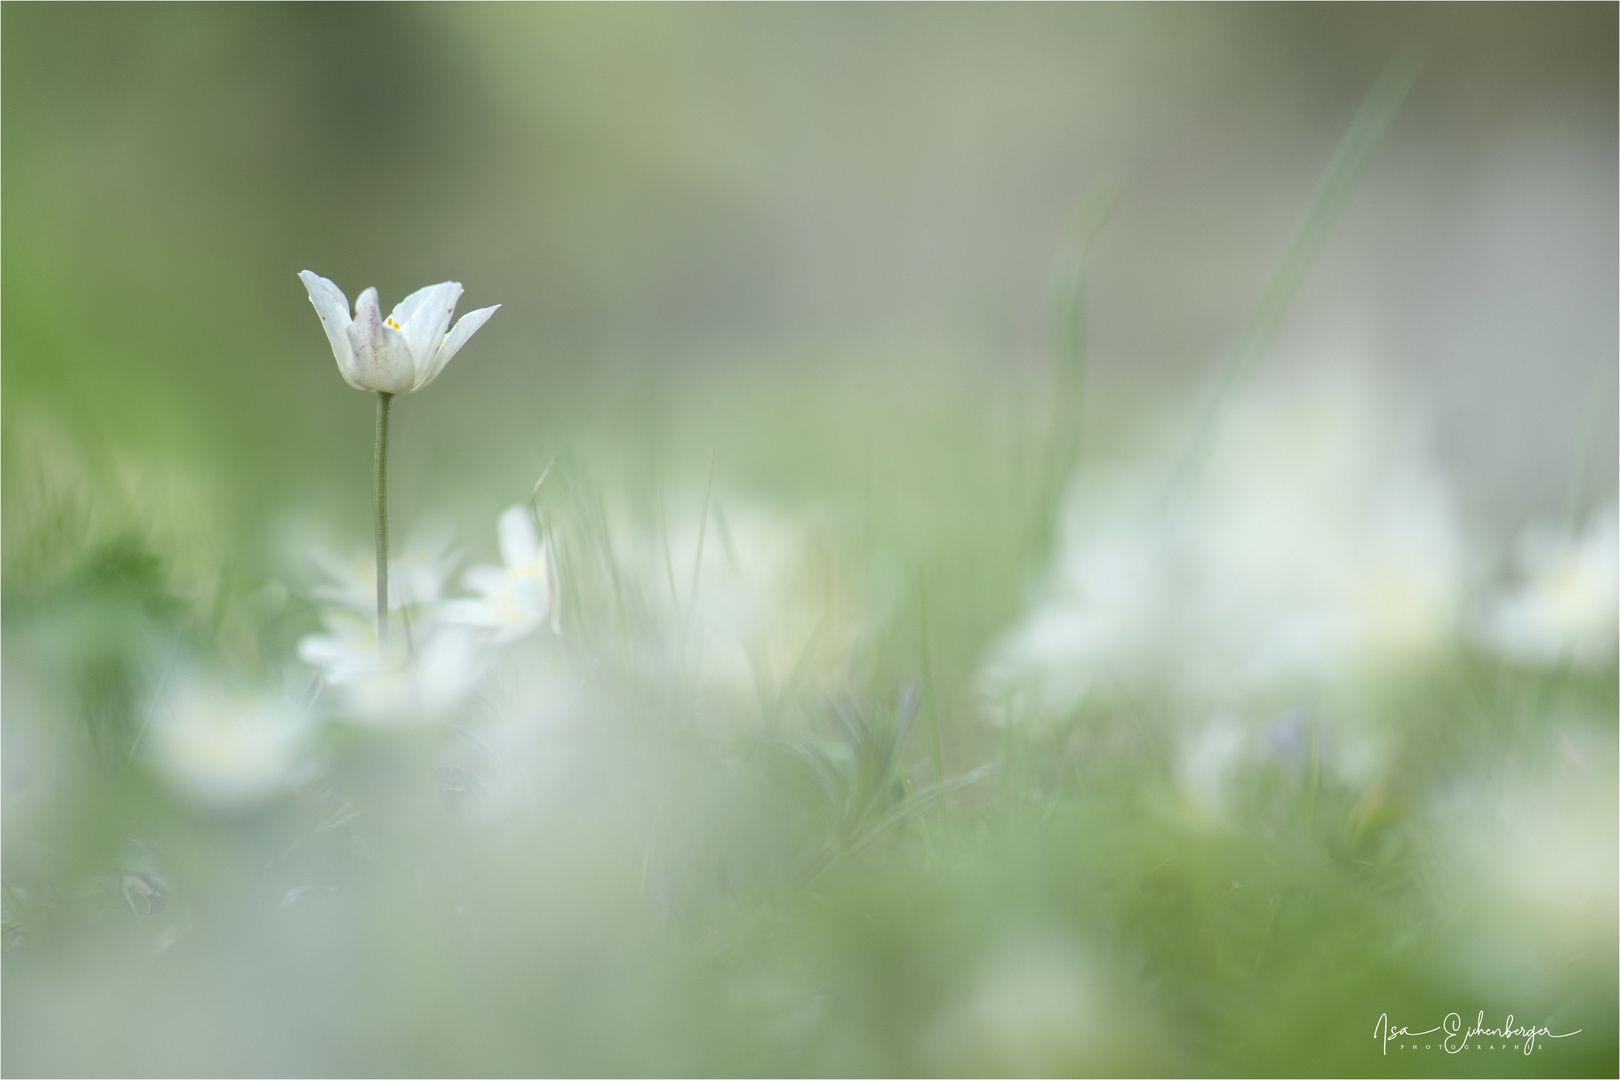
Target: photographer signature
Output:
[(1455, 1039)]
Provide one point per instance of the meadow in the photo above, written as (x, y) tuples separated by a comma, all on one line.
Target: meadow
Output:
[(938, 575)]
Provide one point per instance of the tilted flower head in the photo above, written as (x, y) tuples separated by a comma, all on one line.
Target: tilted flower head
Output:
[(401, 353)]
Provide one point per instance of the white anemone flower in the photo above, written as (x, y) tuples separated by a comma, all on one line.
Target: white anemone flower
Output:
[(745, 602), (515, 598), (1038, 1004), (227, 751), (1524, 864), (1324, 539), (403, 352), (1564, 610), (416, 576), (1319, 547), (1112, 607), (409, 683)]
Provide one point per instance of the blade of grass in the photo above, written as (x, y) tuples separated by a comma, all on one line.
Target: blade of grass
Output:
[(1070, 338), (930, 696), (697, 565), (1338, 182)]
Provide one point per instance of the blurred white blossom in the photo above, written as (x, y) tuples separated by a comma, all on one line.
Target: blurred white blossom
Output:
[(1324, 539), (1107, 612), (769, 600), (1035, 1006), (1318, 544), (522, 751), (422, 676), (227, 750), (416, 575), (1566, 604), (1525, 864), (516, 597), (399, 354)]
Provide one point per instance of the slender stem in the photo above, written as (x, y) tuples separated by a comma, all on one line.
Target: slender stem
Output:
[(380, 502)]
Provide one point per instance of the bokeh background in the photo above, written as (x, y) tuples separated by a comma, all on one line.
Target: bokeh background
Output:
[(677, 206), (866, 259)]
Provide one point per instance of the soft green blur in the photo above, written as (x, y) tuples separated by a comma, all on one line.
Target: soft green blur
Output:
[(863, 284)]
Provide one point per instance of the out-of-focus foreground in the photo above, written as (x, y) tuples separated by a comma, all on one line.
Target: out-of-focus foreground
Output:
[(1073, 540)]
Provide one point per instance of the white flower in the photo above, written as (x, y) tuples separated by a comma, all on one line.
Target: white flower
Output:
[(517, 597), (399, 354), (1110, 607), (776, 600), (1566, 609), (525, 747), (416, 576), (414, 682), (1037, 1005), (1524, 863), (1325, 543), (1319, 546), (228, 751)]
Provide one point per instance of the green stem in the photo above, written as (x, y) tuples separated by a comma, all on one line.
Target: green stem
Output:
[(380, 501)]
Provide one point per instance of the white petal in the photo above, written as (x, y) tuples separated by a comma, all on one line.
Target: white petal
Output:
[(333, 308), (320, 649), (339, 658), (452, 666), (382, 359), (519, 546), (348, 625), (468, 613), (484, 579), (408, 307), (528, 597), (457, 337), (424, 316), (511, 631)]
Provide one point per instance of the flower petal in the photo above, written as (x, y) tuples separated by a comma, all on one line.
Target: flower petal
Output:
[(382, 359), (457, 337), (520, 548), (339, 659), (424, 316), (527, 596), (484, 579), (333, 308), (408, 307), (468, 613)]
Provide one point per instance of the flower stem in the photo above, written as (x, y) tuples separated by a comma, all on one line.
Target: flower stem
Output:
[(380, 502)]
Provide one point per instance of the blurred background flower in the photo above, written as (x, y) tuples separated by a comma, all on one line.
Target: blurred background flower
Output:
[(1565, 604), (416, 574), (1526, 861), (752, 603), (226, 749), (428, 671), (514, 598), (1318, 546)]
